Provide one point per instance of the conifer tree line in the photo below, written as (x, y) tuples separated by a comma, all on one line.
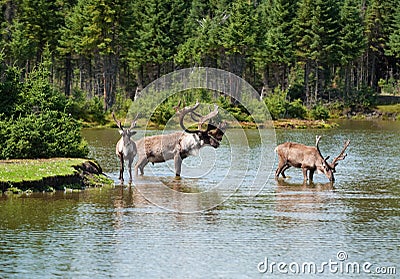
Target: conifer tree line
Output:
[(315, 49)]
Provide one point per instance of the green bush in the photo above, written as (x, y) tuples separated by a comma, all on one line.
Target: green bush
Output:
[(33, 118), (163, 113), (9, 90), (86, 109), (361, 99), (37, 94), (44, 135), (319, 112), (277, 104), (296, 109)]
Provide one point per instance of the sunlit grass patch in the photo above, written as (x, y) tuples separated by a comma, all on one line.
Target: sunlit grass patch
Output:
[(30, 170)]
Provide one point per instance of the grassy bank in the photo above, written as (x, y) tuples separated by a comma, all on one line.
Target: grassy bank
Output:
[(391, 111), (50, 174)]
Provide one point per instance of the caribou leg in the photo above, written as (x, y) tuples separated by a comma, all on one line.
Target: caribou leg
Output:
[(304, 174), (178, 164), (281, 168), (311, 175), (140, 164), (121, 167), (130, 170), (285, 167)]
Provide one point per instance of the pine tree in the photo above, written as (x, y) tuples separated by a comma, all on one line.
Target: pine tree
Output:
[(274, 45), (317, 30), (394, 37), (92, 32), (238, 35), (352, 41), (32, 25), (376, 38), (156, 38)]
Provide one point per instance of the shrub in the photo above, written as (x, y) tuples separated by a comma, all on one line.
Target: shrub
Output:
[(296, 109), (37, 94), (319, 112), (277, 104), (9, 90), (45, 135), (86, 109), (361, 99)]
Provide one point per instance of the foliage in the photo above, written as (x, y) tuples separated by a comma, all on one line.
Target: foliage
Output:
[(361, 99), (86, 109), (163, 113), (45, 135), (103, 48), (391, 86), (9, 90), (319, 112), (277, 104), (296, 109), (33, 121), (37, 94)]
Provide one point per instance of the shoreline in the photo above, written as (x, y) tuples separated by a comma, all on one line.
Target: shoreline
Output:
[(48, 175)]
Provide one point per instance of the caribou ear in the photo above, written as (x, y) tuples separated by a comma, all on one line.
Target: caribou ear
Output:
[(132, 133), (121, 132)]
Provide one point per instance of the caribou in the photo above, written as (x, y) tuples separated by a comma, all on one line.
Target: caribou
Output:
[(308, 158), (180, 145), (125, 148)]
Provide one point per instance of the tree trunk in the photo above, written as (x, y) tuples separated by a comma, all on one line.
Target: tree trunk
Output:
[(306, 82), (316, 83), (68, 74), (265, 89)]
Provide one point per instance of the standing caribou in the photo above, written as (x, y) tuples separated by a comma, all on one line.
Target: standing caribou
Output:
[(308, 158), (125, 147), (179, 145)]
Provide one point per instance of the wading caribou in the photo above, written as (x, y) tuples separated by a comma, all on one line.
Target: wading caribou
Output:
[(125, 147), (308, 158), (179, 145)]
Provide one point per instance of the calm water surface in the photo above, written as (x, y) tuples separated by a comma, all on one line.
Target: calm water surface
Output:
[(114, 232)]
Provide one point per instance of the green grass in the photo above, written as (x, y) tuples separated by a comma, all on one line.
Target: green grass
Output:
[(389, 108), (30, 170)]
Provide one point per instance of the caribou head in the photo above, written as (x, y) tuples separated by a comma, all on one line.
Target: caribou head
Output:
[(330, 168), (212, 134)]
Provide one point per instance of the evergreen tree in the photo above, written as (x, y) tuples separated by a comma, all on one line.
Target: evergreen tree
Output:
[(157, 36), (352, 41), (274, 45), (317, 30), (92, 32), (238, 36), (31, 25), (394, 37), (376, 38)]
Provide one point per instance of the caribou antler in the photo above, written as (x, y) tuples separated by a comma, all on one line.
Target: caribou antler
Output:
[(178, 106), (182, 114), (117, 121), (341, 156), (133, 124), (317, 139), (201, 120), (119, 124), (204, 119)]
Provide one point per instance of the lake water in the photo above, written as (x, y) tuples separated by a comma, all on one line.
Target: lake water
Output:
[(242, 227)]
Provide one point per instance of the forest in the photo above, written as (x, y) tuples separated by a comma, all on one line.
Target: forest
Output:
[(315, 51)]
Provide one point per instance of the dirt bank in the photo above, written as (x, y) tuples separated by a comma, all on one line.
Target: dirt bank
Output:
[(50, 174)]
